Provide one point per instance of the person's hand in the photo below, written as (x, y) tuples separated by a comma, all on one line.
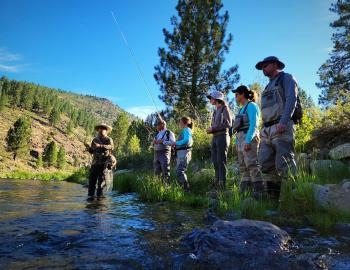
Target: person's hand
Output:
[(173, 144), (160, 141), (281, 128), (247, 147), (209, 130)]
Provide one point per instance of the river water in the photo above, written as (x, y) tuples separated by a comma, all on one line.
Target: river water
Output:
[(50, 225)]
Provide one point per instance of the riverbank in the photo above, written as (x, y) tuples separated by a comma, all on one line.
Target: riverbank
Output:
[(297, 206)]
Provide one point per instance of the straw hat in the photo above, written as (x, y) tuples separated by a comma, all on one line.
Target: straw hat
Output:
[(105, 126)]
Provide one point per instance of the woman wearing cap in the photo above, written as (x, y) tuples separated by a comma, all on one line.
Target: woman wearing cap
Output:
[(220, 124), (101, 149), (246, 126)]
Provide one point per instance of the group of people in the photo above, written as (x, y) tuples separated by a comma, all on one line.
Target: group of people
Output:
[(269, 151)]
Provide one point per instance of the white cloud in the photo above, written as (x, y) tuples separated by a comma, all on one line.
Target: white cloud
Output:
[(7, 60), (141, 111), (10, 68), (7, 56)]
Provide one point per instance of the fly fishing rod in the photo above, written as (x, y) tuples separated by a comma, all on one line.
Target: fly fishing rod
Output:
[(138, 67)]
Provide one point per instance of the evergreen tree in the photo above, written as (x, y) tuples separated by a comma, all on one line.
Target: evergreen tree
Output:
[(70, 127), (120, 132), (39, 162), (54, 117), (191, 66), (50, 154), (335, 72), (305, 99), (61, 158), (143, 131), (18, 137), (3, 100)]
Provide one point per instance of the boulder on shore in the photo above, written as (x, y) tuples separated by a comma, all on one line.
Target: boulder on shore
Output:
[(340, 152), (332, 195)]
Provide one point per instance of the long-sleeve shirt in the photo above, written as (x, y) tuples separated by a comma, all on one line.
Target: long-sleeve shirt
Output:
[(253, 113), (290, 89), (162, 136), (186, 136), (222, 120), (101, 153)]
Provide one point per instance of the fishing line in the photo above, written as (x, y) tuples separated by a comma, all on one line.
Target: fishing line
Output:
[(138, 67)]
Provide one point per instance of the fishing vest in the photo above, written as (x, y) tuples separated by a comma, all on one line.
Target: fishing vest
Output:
[(162, 147), (241, 122), (184, 146), (273, 101)]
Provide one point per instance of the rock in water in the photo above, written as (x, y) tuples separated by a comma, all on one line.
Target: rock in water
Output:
[(340, 152), (240, 244)]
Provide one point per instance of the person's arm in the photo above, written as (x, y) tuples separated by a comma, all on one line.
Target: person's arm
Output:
[(290, 88), (186, 137), (253, 116), (224, 123), (171, 139)]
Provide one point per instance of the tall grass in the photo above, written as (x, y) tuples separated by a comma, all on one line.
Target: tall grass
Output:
[(57, 175), (151, 189)]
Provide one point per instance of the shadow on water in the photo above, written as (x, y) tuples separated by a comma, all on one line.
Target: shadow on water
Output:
[(50, 225)]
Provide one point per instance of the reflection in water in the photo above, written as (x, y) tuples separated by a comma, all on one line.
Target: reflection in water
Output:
[(51, 225)]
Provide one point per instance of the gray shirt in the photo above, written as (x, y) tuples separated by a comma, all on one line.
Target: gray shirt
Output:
[(290, 88), (222, 120)]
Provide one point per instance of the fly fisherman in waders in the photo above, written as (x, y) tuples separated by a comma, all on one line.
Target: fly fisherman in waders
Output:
[(220, 124), (162, 144), (246, 126), (102, 162), (280, 109), (183, 148)]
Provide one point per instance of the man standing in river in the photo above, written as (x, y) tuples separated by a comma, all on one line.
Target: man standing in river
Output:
[(102, 162)]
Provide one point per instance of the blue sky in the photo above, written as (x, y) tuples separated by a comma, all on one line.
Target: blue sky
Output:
[(74, 45)]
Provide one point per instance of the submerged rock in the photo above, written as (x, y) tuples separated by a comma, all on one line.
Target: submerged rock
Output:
[(240, 244)]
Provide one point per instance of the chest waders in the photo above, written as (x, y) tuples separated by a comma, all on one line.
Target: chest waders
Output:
[(276, 154), (251, 178), (183, 158)]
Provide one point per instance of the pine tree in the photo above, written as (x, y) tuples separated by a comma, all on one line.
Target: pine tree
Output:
[(54, 117), (50, 154), (70, 127), (18, 137), (335, 72), (3, 100), (61, 158), (39, 162), (143, 131), (120, 132), (191, 66)]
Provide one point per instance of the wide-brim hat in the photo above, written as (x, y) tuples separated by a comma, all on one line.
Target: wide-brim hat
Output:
[(107, 127), (216, 95), (270, 59)]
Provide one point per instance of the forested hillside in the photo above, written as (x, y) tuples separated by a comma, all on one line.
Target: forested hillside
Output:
[(59, 123)]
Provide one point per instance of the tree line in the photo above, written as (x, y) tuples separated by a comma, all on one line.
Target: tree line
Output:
[(43, 100)]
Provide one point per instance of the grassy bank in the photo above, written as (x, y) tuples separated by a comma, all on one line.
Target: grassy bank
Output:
[(78, 176), (297, 206)]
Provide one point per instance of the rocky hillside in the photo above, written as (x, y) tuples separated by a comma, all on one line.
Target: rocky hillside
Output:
[(99, 109)]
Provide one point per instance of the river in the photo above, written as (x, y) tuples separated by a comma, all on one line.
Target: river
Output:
[(50, 225)]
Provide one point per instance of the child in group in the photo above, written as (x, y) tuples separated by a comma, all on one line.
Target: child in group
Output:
[(183, 147)]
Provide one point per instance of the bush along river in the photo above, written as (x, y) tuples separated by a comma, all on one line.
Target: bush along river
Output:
[(50, 225)]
